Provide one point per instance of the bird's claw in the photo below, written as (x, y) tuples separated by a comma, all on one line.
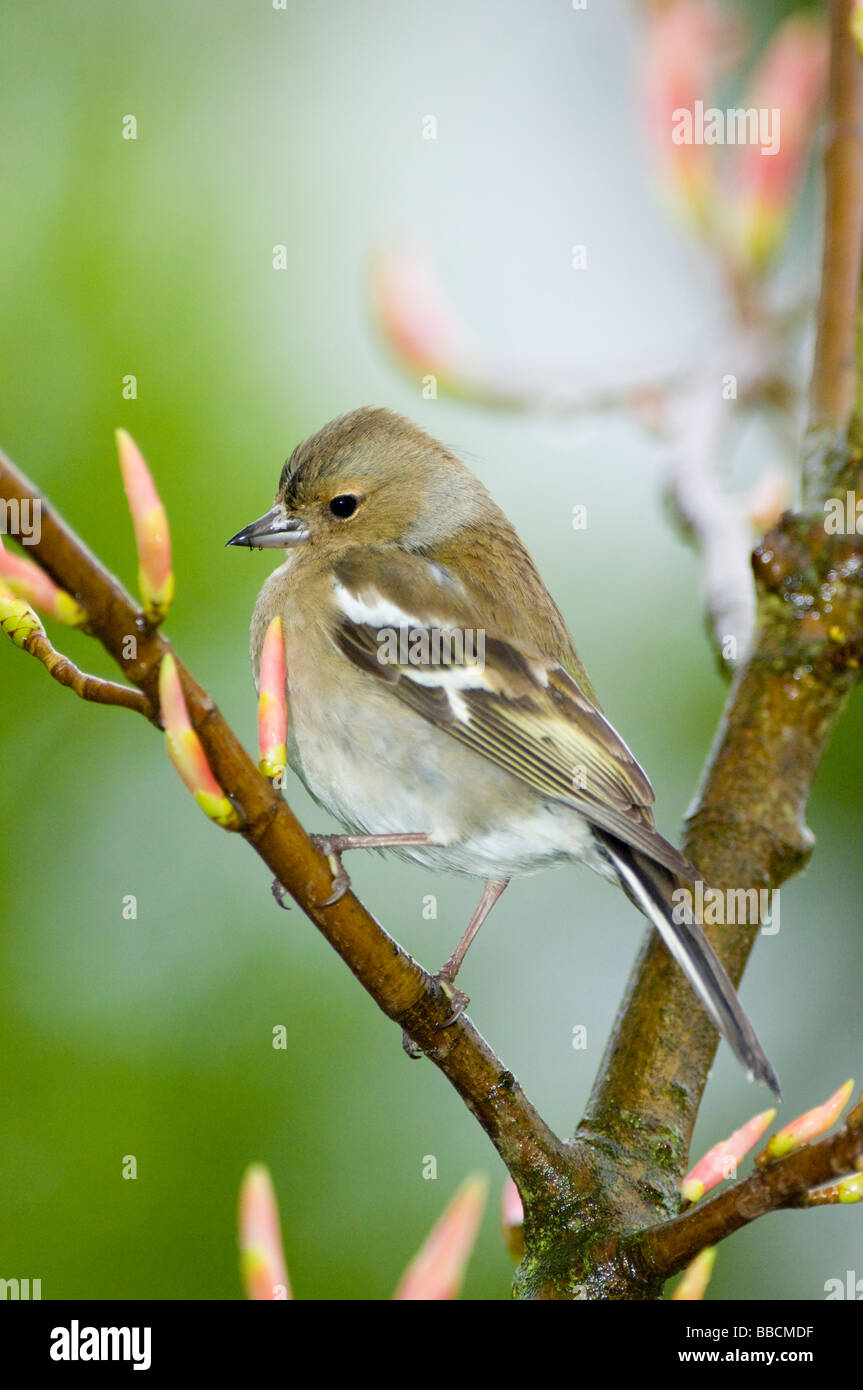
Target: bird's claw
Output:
[(459, 1001), (457, 998), (278, 892), (327, 844), (411, 1048)]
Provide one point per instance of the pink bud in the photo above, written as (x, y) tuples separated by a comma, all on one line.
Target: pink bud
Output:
[(29, 582), (721, 1161), (790, 81), (262, 1258), (415, 317), (687, 45), (807, 1126), (272, 703), (512, 1219), (437, 1271), (155, 576), (696, 1277), (186, 750)]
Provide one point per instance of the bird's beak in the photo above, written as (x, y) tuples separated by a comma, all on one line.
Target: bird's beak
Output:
[(275, 529)]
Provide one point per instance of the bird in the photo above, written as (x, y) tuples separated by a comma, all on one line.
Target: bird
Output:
[(437, 705)]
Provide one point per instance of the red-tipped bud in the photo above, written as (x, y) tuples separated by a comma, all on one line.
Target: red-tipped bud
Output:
[(687, 45), (696, 1277), (186, 750), (807, 1126), (155, 576), (416, 319), (512, 1219), (272, 703), (31, 583), (262, 1258), (787, 89), (721, 1161), (437, 1271)]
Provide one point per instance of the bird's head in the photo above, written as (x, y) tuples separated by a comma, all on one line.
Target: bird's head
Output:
[(369, 478)]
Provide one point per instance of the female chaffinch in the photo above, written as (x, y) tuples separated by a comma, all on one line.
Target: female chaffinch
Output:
[(437, 703)]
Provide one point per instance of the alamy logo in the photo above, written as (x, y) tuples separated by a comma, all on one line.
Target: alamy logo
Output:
[(18, 1289), (711, 907), (21, 519), (736, 126), (76, 1343), (843, 516), (431, 646), (851, 1287)]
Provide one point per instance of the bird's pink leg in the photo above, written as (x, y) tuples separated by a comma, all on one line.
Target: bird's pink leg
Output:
[(334, 846), (446, 975)]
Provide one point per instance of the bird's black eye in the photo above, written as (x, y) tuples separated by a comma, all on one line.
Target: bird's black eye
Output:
[(343, 506)]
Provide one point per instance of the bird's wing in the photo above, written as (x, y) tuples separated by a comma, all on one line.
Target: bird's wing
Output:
[(493, 693)]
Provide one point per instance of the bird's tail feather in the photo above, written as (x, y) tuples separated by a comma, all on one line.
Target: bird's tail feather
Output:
[(644, 882)]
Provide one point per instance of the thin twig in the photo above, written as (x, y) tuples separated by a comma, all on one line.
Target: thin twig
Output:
[(88, 687), (715, 519)]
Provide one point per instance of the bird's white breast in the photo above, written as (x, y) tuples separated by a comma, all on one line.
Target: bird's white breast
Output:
[(380, 768)]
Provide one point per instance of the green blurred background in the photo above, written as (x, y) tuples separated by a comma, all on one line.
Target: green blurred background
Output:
[(153, 1037)]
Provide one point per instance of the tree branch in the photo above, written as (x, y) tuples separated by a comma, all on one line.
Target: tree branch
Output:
[(835, 385), (747, 828)]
